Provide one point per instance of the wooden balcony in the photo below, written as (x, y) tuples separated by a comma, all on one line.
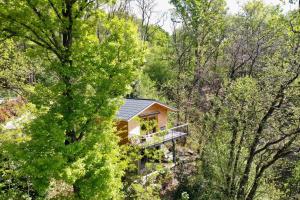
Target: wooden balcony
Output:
[(161, 137)]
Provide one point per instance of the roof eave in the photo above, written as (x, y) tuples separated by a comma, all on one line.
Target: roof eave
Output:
[(168, 107), (161, 104)]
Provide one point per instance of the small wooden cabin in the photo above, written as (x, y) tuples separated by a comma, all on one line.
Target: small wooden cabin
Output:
[(135, 112)]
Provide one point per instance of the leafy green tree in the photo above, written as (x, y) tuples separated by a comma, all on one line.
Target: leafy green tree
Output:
[(197, 44), (253, 36), (92, 59), (15, 68), (158, 65), (253, 123), (252, 120), (157, 69), (145, 87)]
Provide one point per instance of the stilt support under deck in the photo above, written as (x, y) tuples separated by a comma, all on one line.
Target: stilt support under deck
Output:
[(174, 151)]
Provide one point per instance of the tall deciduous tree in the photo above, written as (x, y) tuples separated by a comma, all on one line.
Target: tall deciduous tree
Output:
[(92, 60), (203, 23), (255, 120)]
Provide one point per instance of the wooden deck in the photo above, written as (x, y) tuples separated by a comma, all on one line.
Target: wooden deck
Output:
[(156, 139)]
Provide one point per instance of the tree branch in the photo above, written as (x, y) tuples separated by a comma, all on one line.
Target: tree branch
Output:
[(267, 145), (55, 10)]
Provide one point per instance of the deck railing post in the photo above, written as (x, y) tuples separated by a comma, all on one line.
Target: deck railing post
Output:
[(174, 151), (187, 129)]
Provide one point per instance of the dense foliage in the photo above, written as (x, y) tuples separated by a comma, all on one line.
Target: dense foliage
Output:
[(233, 77), (72, 137)]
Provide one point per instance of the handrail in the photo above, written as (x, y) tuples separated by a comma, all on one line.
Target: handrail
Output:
[(167, 130), (179, 126), (152, 134), (153, 139)]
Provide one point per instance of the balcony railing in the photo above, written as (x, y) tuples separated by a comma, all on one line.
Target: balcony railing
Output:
[(154, 139)]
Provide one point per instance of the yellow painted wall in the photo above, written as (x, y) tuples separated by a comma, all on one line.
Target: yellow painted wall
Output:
[(134, 127), (162, 116)]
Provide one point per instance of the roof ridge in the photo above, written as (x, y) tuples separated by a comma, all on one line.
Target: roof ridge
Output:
[(141, 99)]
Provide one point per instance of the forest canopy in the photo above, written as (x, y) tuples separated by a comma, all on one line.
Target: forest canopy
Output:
[(234, 78)]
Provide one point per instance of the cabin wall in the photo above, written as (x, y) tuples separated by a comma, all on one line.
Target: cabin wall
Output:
[(122, 127), (134, 128), (162, 117)]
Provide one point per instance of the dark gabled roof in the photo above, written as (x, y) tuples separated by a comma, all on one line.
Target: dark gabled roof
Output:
[(133, 107)]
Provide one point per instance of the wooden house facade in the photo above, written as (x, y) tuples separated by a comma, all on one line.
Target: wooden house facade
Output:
[(134, 117)]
